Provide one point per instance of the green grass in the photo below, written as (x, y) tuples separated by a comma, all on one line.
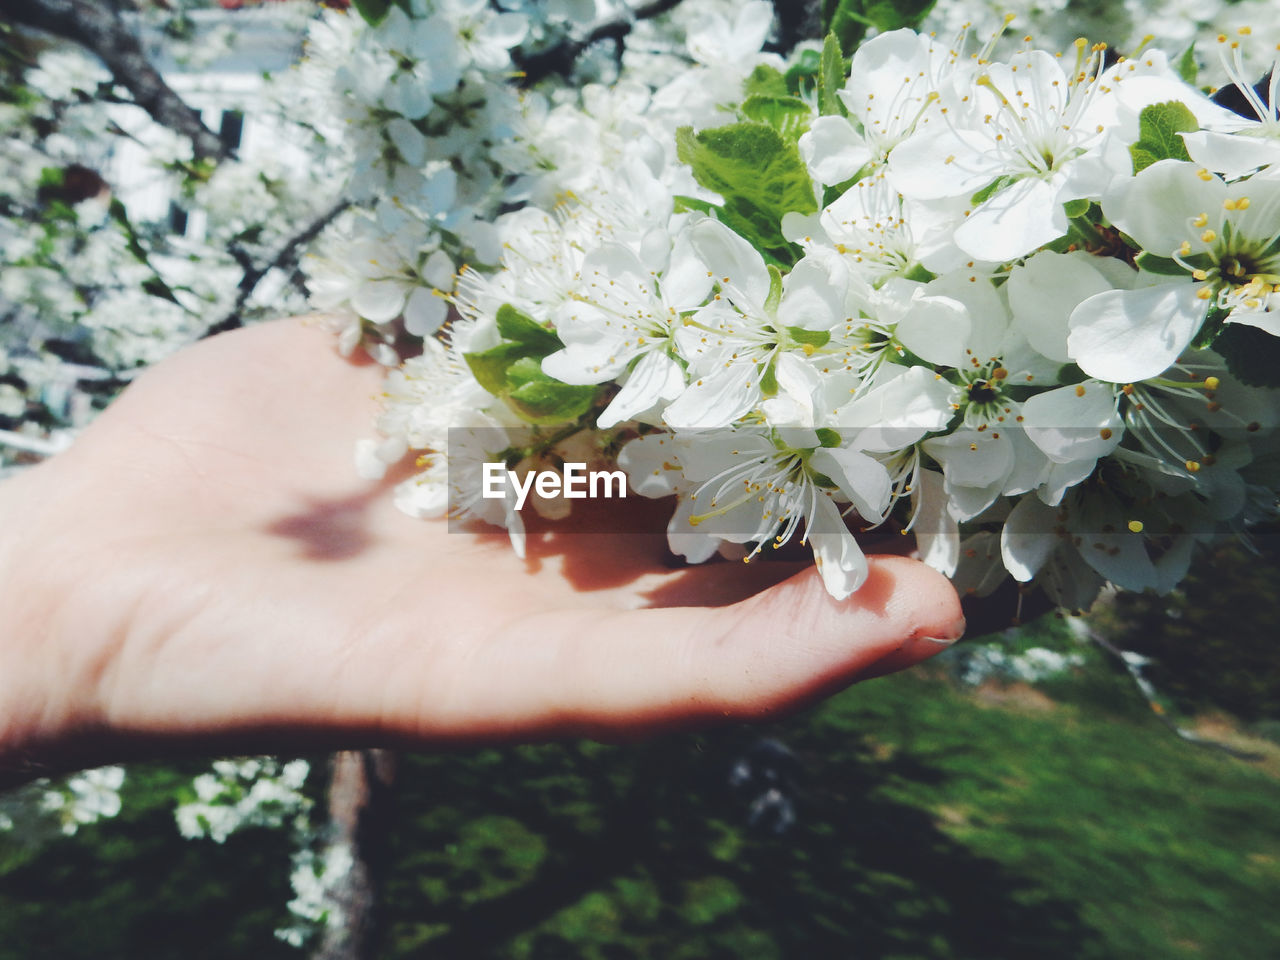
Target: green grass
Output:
[(932, 822)]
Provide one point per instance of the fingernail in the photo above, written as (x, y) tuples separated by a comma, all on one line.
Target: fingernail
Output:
[(955, 633)]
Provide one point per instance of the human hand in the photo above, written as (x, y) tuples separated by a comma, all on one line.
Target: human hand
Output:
[(204, 571)]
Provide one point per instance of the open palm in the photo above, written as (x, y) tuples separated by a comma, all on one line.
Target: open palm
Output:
[(203, 569)]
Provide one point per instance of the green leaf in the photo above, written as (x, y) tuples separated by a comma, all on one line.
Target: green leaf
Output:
[(520, 327), (802, 76), (759, 174), (831, 79), (1252, 355), (373, 11), (828, 437), (765, 81), (775, 291), (991, 189), (886, 15), (684, 204), (512, 370), (849, 19), (843, 19), (1142, 157), (1161, 265), (1158, 127), (790, 116), (490, 366), (920, 272), (810, 338), (1076, 208), (1188, 69), (545, 401), (769, 382)]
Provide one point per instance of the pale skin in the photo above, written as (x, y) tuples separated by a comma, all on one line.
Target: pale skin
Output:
[(203, 571)]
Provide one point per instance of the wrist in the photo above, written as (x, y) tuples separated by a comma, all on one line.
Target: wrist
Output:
[(34, 719)]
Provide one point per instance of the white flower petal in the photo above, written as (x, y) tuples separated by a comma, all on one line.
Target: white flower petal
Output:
[(654, 380), (897, 413), (1268, 320), (1027, 538), (840, 560), (734, 263), (1075, 422), (380, 300), (685, 283), (1231, 156), (863, 480), (424, 312), (1013, 223), (832, 150), (1043, 292), (936, 531), (1155, 206), (1124, 336), (935, 328), (716, 400), (651, 465)]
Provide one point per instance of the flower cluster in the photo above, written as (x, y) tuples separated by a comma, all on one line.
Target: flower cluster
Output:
[(1023, 308)]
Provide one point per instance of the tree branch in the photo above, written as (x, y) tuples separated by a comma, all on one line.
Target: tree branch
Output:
[(559, 59), (285, 257), (99, 28), (797, 20)]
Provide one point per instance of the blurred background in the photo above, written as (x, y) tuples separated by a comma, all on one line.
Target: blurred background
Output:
[(1100, 786)]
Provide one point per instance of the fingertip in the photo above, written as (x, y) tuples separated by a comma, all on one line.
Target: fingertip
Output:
[(808, 644)]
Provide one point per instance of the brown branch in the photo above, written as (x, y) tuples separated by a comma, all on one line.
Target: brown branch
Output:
[(99, 28)]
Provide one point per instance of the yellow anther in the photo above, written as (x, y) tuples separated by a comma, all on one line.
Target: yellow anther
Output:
[(1185, 249), (1201, 220), (1242, 203), (1211, 383), (1079, 389), (1105, 433), (1135, 526), (1193, 466), (1204, 175), (1245, 31), (1208, 236), (1199, 275), (1204, 293)]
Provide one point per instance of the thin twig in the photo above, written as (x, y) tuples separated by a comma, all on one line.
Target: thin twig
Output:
[(559, 59), (1133, 665), (285, 257)]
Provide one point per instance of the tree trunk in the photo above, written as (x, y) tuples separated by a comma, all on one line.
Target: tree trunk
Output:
[(359, 795)]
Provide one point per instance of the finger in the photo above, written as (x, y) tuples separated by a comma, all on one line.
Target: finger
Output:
[(652, 669)]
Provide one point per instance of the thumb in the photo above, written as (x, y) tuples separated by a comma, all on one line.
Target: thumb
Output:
[(774, 652)]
